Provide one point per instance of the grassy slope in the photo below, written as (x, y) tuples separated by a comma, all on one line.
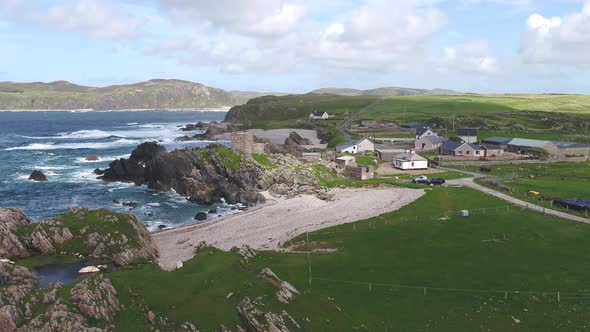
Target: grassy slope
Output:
[(58, 95), (540, 253), (492, 114)]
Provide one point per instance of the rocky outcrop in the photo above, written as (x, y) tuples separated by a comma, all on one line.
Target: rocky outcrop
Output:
[(131, 243), (214, 173), (133, 168), (295, 139), (207, 175), (47, 236), (96, 297), (288, 179), (286, 292), (257, 320), (13, 296), (38, 176), (10, 244), (93, 299)]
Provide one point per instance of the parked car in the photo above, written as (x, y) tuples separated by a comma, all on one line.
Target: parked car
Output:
[(420, 179), (437, 181)]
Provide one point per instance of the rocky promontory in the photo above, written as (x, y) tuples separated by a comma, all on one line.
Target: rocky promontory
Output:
[(81, 232), (214, 173)]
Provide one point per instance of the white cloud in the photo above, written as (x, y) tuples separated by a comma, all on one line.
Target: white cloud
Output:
[(379, 33), (264, 17), (475, 57), (99, 18), (558, 40)]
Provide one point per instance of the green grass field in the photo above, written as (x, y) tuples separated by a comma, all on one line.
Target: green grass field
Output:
[(551, 180), (402, 271)]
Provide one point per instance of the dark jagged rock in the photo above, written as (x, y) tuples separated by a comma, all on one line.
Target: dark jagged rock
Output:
[(207, 175), (133, 169), (132, 205), (296, 139), (98, 171), (38, 176), (201, 216)]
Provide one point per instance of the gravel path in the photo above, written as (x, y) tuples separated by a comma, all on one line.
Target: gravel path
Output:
[(468, 182), (267, 226)]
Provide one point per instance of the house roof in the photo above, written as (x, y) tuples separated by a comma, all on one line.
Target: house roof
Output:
[(345, 145), (433, 139), (451, 145), (497, 140), (409, 156), (567, 145), (318, 113), (466, 132), (414, 125), (475, 146), (531, 143), (420, 131)]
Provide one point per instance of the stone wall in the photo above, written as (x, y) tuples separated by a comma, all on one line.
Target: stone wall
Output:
[(244, 142)]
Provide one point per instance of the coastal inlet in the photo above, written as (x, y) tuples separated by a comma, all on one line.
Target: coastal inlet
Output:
[(68, 146)]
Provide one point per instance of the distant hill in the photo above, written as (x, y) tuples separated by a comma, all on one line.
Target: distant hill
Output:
[(152, 94), (385, 92)]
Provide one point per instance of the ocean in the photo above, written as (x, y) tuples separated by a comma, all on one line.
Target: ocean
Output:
[(58, 142)]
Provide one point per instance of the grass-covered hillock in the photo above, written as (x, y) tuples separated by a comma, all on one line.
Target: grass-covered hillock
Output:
[(91, 233)]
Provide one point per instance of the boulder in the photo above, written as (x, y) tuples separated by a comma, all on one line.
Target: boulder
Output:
[(38, 176), (98, 171), (201, 216), (91, 158)]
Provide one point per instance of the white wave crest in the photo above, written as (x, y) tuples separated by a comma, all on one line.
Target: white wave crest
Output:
[(74, 146)]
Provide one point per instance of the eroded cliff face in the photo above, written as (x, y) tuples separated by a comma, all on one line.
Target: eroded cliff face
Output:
[(91, 233), (214, 173), (204, 175)]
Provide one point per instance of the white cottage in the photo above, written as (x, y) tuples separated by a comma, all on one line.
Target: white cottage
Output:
[(319, 115), (361, 146), (410, 161)]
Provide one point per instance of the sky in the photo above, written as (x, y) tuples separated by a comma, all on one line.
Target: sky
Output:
[(484, 46)]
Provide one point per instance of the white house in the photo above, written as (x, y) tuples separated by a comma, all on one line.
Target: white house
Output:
[(467, 135), (361, 146), (410, 161), (319, 116), (426, 131)]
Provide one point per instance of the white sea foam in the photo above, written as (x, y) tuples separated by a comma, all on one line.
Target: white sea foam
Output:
[(57, 167), (101, 159), (73, 146)]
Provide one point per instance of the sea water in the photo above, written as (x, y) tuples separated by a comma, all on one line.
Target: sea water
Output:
[(57, 143)]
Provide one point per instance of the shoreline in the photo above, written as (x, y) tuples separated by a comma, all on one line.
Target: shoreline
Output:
[(223, 109), (268, 226)]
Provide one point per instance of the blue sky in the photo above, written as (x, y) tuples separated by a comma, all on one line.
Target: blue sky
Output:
[(299, 45)]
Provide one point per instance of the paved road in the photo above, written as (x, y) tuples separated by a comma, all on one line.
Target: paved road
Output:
[(468, 182)]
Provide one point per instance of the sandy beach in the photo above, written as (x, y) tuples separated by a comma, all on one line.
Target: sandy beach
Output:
[(279, 220)]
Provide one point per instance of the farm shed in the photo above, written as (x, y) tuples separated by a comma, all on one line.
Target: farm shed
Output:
[(580, 204)]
